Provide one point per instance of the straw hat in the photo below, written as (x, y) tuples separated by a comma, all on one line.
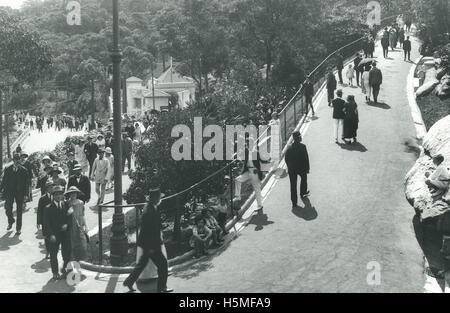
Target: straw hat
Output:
[(72, 189)]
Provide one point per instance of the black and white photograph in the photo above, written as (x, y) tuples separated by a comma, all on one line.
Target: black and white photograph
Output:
[(248, 148)]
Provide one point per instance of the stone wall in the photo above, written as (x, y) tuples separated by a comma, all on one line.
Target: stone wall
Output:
[(436, 141)]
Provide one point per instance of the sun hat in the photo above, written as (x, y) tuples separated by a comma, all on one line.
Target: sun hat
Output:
[(72, 189), (108, 150)]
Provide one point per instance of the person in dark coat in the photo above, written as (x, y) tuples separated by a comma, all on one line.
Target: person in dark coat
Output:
[(42, 180), (297, 161), (44, 201), (127, 150), (338, 115), (27, 165), (331, 87), (82, 182), (385, 43), (309, 94), (340, 67), (57, 225), (351, 120), (14, 187), (370, 47), (71, 163), (357, 68), (375, 80), (401, 37), (91, 151), (150, 239), (407, 48)]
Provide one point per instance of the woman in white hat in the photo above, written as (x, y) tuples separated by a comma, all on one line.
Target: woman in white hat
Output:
[(109, 156), (79, 229)]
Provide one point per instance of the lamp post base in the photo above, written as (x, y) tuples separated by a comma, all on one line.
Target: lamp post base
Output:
[(119, 240)]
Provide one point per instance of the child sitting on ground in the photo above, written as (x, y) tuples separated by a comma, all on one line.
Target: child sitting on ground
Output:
[(212, 224), (201, 237), (222, 210)]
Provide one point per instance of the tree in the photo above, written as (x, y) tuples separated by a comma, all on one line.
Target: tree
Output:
[(22, 53)]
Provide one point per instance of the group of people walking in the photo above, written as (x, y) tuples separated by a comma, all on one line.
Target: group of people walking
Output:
[(394, 36)]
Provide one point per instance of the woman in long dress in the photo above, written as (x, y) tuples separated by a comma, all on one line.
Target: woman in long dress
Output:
[(351, 120), (366, 88), (79, 228), (80, 156), (275, 144)]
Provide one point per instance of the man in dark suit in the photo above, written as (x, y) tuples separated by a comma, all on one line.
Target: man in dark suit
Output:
[(44, 201), (297, 161), (42, 180), (358, 71), (14, 187), (151, 241), (57, 225), (309, 94), (71, 163), (82, 182), (407, 48), (375, 80), (340, 66), (91, 150)]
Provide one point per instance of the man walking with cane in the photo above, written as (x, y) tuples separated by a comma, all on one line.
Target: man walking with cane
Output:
[(151, 241), (297, 161)]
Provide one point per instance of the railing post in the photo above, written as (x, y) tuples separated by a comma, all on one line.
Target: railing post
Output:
[(285, 130), (100, 236)]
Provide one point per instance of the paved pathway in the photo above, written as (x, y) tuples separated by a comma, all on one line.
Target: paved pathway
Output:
[(357, 214)]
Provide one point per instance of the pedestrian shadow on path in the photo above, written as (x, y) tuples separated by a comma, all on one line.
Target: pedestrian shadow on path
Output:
[(7, 241), (380, 105), (59, 286), (359, 147), (260, 220), (41, 266), (308, 212)]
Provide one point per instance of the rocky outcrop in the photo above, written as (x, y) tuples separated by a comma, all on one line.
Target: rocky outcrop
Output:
[(436, 141)]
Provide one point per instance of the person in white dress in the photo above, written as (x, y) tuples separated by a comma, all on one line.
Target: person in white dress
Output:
[(109, 156), (366, 88), (80, 156)]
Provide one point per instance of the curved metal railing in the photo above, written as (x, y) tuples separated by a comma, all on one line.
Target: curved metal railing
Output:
[(292, 118)]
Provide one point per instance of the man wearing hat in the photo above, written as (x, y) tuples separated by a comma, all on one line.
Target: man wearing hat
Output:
[(56, 179), (100, 175), (109, 141), (44, 201), (82, 182), (43, 179), (71, 163), (127, 150), (14, 187), (297, 161), (150, 239), (57, 225), (27, 165), (91, 150)]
